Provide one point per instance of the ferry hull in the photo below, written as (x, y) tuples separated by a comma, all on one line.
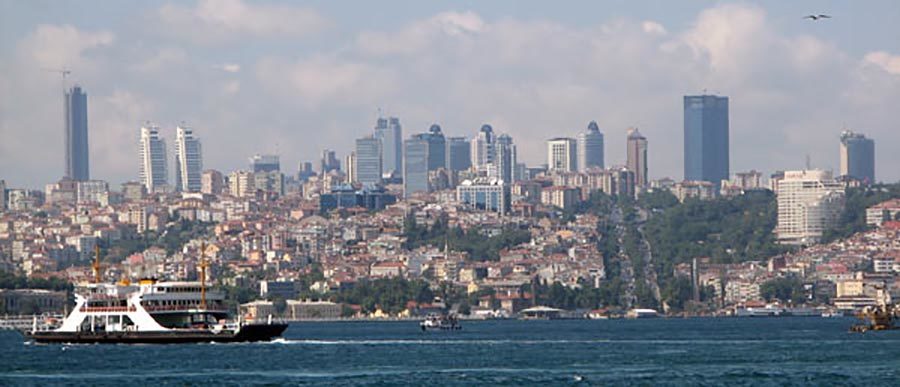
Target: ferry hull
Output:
[(248, 333)]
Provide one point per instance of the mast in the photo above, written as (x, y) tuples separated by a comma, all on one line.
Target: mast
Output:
[(203, 266), (96, 265)]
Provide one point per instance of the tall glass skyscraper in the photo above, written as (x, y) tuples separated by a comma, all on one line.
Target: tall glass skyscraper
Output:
[(154, 172), (857, 156), (437, 147), (368, 160), (458, 154), (390, 133), (415, 165), (590, 148), (188, 160), (636, 152), (76, 135), (706, 138)]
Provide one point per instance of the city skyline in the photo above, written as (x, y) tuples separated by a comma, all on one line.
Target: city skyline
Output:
[(781, 108)]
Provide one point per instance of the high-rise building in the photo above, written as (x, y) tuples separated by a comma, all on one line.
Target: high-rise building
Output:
[(437, 147), (415, 165), (390, 133), (305, 171), (2, 195), (809, 202), (265, 163), (350, 162), (857, 157), (368, 160), (482, 147), (76, 134), (590, 148), (154, 170), (706, 146), (637, 157), (459, 154), (561, 154), (329, 162), (188, 160), (503, 163), (212, 182), (241, 184)]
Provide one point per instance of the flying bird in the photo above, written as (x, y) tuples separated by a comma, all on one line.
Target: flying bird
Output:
[(817, 17)]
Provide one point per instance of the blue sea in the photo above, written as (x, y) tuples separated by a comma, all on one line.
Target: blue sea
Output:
[(725, 351)]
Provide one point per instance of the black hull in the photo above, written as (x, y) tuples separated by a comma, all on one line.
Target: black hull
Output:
[(248, 333)]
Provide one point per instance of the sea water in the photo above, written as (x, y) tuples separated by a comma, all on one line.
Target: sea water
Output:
[(723, 351)]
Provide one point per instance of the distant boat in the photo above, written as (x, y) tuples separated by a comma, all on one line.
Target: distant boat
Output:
[(435, 322), (540, 313), (642, 313)]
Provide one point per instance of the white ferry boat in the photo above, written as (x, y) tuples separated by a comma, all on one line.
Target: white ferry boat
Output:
[(152, 312)]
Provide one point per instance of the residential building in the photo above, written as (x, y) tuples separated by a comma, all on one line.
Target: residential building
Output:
[(490, 195), (857, 157), (92, 191), (368, 160), (561, 154), (636, 153), (212, 182), (809, 202), (562, 197), (885, 211), (188, 160), (241, 184), (77, 167), (706, 147), (590, 148), (154, 169)]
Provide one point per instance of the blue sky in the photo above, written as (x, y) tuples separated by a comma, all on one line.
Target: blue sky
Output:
[(297, 77)]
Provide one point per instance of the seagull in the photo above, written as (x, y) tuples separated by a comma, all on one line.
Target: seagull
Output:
[(817, 17)]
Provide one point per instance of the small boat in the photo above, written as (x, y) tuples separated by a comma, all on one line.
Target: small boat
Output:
[(435, 322)]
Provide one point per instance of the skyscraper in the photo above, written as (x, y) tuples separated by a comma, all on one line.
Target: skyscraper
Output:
[(329, 162), (637, 156), (154, 173), (459, 154), (503, 163), (590, 148), (265, 163), (415, 165), (188, 160), (76, 134), (437, 147), (706, 138), (482, 147), (857, 156), (368, 160), (561, 154), (390, 133)]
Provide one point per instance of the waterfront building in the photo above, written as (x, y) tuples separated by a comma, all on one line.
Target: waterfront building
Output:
[(312, 310), (389, 132), (561, 152), (265, 163), (368, 160), (188, 160), (459, 154), (590, 148), (490, 195), (706, 147), (415, 165), (482, 147), (212, 182), (76, 152), (637, 157), (809, 202), (857, 157), (154, 169)]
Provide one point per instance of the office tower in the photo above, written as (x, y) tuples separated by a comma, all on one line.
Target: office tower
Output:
[(329, 162), (305, 171), (484, 195), (561, 154), (154, 170), (590, 148), (188, 160), (2, 195), (482, 147), (212, 182), (350, 162), (437, 147), (390, 133), (459, 154), (857, 157), (265, 163), (504, 160), (637, 157), (76, 134), (415, 165), (368, 160), (706, 138), (809, 202)]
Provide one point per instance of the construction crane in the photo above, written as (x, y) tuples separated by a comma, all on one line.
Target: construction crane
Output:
[(63, 71)]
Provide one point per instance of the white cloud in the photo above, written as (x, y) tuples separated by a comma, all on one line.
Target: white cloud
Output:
[(653, 28), (229, 67), (218, 21), (884, 60)]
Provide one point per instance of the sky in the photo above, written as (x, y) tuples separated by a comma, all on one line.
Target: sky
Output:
[(293, 78)]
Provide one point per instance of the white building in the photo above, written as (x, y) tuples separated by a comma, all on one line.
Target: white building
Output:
[(809, 202), (561, 154), (486, 195), (482, 147), (154, 173), (879, 213), (188, 160), (93, 191), (241, 183)]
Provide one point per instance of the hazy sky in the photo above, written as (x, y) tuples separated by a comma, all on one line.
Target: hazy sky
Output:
[(294, 78)]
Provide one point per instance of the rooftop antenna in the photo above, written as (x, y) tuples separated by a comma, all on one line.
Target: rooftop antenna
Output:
[(63, 71), (808, 162)]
